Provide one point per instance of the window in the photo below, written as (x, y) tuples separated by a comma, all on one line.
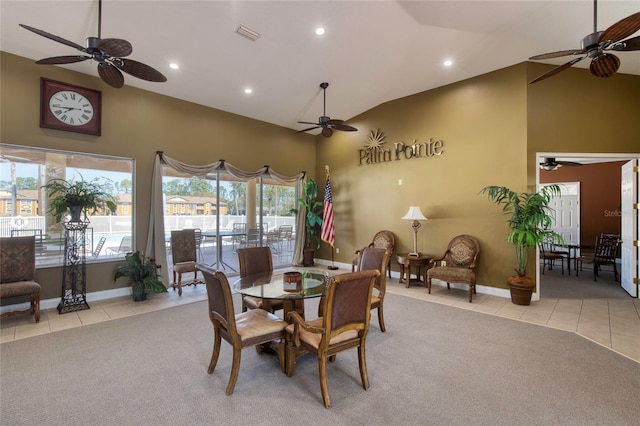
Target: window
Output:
[(24, 170)]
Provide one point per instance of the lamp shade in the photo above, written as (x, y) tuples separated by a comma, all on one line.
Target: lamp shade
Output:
[(414, 213)]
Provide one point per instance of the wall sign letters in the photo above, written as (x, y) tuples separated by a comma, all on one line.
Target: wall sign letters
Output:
[(374, 150)]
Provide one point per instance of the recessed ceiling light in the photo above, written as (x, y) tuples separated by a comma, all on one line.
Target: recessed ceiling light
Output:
[(448, 63), (319, 31), (174, 66), (248, 91)]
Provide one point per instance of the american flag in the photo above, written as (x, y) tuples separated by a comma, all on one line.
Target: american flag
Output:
[(326, 233)]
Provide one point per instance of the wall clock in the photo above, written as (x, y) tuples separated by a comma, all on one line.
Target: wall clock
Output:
[(70, 108)]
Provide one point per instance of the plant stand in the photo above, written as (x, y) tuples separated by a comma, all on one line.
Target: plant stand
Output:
[(74, 270)]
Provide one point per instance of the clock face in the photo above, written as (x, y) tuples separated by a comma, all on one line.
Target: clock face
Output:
[(71, 108)]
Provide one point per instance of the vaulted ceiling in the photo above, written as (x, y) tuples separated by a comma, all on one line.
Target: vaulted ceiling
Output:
[(371, 52)]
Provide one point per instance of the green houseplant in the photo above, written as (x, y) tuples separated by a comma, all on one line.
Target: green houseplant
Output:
[(530, 225), (78, 197), (313, 220), (143, 272)]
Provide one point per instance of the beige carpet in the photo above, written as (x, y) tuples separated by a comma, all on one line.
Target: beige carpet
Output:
[(435, 365)]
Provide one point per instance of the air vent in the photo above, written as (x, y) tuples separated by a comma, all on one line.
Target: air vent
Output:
[(248, 33)]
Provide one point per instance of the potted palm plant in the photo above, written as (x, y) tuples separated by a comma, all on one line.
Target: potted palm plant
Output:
[(143, 273), (77, 198), (530, 224), (313, 220)]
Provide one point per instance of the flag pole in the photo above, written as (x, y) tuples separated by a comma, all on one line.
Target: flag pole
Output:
[(327, 233)]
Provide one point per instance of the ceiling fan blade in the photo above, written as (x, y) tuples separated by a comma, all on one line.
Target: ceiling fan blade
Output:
[(604, 65), (558, 54), (327, 132), (627, 45), (142, 71), (54, 38), (59, 60), (344, 128), (568, 163), (308, 122), (110, 75), (621, 29), (557, 70), (306, 130), (334, 121), (115, 47)]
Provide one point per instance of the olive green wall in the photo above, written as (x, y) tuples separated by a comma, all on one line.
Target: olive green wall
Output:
[(491, 125), (137, 123)]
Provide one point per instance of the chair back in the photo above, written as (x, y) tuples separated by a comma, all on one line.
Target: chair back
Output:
[(285, 232), (348, 302), (198, 235), (462, 252), (126, 244), (219, 297), (254, 260), (371, 258), (17, 259), (253, 236), (385, 240), (607, 248), (183, 246)]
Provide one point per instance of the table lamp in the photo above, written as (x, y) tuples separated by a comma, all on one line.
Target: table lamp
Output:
[(416, 215)]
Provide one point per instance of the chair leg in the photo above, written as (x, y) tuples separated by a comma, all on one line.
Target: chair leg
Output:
[(179, 284), (35, 306), (216, 352), (290, 358), (429, 285), (471, 287), (235, 368), (362, 361), (381, 318), (324, 382)]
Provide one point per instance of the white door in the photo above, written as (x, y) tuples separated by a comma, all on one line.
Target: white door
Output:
[(565, 211), (630, 248)]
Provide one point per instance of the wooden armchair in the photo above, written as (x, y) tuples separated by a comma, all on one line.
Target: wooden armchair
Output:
[(605, 254), (18, 272), (250, 328), (184, 256), (344, 326), (371, 258), (382, 239), (255, 260), (457, 264)]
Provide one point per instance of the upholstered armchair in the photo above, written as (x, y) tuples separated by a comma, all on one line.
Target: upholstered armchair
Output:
[(246, 329), (382, 239), (457, 265), (18, 272), (344, 326)]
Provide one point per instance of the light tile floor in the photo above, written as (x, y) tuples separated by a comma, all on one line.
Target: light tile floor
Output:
[(613, 323)]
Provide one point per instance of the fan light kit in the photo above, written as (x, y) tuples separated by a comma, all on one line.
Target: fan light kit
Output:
[(108, 53), (550, 163), (594, 45), (327, 124)]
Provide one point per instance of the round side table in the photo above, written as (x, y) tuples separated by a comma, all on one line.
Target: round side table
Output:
[(406, 262)]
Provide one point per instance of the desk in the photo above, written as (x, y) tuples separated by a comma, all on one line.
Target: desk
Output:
[(270, 285), (405, 261), (570, 249)]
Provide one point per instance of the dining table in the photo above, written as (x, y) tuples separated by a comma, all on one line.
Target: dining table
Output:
[(273, 285), (219, 235)]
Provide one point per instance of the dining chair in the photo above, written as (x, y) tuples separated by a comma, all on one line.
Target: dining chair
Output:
[(549, 257), (457, 265), (371, 258), (184, 257), (344, 326), (605, 253), (240, 231), (18, 273), (382, 239), (256, 260), (250, 328)]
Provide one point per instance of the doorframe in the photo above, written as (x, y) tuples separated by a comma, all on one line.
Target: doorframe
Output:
[(569, 156)]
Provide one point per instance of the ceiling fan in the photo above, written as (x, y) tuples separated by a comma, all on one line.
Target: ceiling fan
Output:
[(550, 163), (327, 123), (595, 44), (108, 53)]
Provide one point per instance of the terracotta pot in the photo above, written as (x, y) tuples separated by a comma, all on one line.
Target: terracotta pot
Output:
[(521, 289)]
